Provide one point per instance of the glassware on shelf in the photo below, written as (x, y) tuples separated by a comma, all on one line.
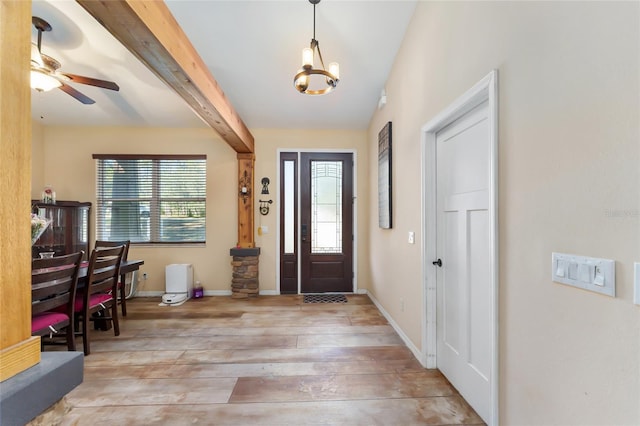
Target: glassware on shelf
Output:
[(48, 195), (47, 254)]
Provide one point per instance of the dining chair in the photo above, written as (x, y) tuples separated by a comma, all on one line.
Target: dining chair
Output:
[(122, 300), (99, 294), (53, 290)]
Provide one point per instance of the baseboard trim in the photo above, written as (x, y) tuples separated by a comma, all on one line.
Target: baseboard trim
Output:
[(148, 294), (217, 292), (206, 293), (422, 359)]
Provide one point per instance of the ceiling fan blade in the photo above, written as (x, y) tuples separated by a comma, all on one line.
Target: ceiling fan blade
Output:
[(79, 96), (92, 81)]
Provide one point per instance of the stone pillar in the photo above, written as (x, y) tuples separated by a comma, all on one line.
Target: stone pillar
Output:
[(245, 282)]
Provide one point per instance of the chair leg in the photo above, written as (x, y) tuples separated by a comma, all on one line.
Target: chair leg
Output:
[(85, 334), (71, 336), (123, 299), (114, 318)]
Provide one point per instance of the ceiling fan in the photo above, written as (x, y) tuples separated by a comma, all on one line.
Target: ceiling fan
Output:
[(45, 75)]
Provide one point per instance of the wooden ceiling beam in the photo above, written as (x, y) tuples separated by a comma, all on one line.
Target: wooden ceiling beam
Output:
[(151, 33)]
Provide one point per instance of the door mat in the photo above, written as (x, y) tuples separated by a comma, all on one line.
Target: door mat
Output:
[(325, 298)]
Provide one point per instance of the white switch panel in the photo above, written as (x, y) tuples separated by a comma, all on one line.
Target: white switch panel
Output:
[(589, 273), (636, 283), (412, 237)]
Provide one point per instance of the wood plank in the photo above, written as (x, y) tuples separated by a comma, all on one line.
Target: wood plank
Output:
[(245, 204), (151, 33), (17, 358), (18, 351)]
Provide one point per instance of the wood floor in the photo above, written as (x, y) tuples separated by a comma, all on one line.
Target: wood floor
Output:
[(273, 360)]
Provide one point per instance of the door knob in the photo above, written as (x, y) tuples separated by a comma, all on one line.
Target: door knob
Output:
[(438, 263)]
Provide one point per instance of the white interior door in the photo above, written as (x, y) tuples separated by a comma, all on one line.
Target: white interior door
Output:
[(464, 246)]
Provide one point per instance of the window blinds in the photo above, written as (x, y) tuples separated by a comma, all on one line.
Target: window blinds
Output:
[(151, 198)]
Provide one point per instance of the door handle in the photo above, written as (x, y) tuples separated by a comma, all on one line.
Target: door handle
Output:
[(438, 263), (304, 232)]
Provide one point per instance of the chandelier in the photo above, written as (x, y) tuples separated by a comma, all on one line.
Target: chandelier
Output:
[(303, 78)]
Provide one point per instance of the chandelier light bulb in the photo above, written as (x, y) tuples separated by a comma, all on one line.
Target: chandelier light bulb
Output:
[(302, 83), (334, 70), (307, 57)]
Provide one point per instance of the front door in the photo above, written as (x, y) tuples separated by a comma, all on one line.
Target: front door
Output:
[(464, 292), (322, 232)]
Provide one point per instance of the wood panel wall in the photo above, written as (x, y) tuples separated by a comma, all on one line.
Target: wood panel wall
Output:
[(18, 350)]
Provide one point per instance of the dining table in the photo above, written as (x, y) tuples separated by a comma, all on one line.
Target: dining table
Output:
[(126, 266)]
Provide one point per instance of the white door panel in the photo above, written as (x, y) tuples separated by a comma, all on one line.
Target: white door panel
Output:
[(464, 344)]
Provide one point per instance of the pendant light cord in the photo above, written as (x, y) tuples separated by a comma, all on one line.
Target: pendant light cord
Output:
[(314, 37)]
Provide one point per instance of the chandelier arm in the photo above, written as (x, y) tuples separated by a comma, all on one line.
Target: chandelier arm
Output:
[(320, 56)]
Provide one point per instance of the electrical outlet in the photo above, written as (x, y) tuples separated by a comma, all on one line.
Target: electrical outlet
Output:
[(144, 276)]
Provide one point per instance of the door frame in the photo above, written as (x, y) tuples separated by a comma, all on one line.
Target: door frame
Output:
[(299, 151), (485, 90)]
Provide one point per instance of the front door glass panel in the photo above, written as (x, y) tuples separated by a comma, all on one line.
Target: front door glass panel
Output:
[(326, 207), (289, 207)]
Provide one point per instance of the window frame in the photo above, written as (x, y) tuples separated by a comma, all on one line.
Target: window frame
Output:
[(155, 200)]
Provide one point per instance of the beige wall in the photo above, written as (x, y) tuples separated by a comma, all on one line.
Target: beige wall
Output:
[(68, 166), (62, 158), (568, 181)]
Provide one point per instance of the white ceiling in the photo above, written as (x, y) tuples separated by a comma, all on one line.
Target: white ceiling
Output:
[(253, 49)]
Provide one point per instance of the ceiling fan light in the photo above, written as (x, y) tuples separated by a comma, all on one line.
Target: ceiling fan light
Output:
[(43, 82)]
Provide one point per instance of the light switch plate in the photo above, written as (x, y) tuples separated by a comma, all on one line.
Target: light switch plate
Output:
[(589, 273), (636, 283), (412, 237)]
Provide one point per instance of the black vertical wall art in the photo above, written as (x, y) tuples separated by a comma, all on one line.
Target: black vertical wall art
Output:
[(384, 177)]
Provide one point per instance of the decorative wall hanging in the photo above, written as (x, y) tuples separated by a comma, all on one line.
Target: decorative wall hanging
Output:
[(384, 177)]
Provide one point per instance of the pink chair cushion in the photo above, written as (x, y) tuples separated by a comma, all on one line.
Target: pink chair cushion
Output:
[(94, 300), (45, 319)]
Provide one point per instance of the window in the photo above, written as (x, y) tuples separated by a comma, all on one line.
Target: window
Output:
[(151, 198)]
